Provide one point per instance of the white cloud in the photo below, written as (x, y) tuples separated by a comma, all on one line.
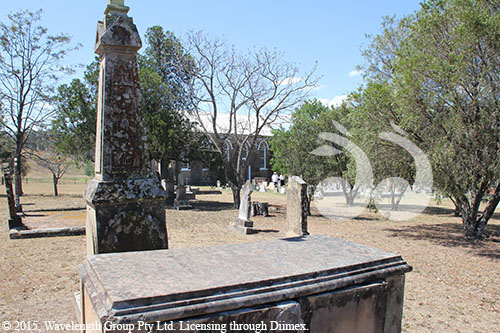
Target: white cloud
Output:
[(336, 101), (355, 73), (290, 80)]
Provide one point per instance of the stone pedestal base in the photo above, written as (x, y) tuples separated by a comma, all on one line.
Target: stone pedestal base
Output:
[(123, 216), (181, 200), (293, 234), (242, 226), (182, 204)]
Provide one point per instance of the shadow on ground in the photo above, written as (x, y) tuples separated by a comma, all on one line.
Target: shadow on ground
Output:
[(211, 206), (266, 231), (433, 210), (452, 235)]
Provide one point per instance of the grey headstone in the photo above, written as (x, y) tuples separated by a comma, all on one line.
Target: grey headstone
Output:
[(296, 207), (246, 192), (181, 201), (180, 179), (181, 193), (243, 224)]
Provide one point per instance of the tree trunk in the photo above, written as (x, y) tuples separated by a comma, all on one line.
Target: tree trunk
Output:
[(474, 226), (236, 196), (471, 227), (55, 181), (349, 200)]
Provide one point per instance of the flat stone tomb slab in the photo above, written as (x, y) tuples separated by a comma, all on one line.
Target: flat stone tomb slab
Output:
[(185, 283)]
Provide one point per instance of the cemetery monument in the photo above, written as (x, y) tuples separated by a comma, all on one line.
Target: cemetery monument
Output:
[(125, 203), (243, 224), (296, 207)]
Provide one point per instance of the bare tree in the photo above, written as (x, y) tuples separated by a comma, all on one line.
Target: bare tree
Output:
[(55, 163), (30, 67), (235, 97)]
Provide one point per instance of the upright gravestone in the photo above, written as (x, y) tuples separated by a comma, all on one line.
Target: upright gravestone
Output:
[(181, 201), (296, 207), (15, 220), (170, 187), (125, 203), (17, 189), (243, 224)]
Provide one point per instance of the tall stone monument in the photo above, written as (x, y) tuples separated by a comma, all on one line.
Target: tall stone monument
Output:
[(296, 207), (125, 203)]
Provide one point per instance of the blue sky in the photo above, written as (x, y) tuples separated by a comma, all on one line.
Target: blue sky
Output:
[(329, 32)]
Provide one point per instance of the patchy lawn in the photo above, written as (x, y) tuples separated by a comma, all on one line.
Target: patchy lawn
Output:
[(454, 285)]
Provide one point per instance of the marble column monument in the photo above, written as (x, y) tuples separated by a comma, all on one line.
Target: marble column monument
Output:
[(125, 203)]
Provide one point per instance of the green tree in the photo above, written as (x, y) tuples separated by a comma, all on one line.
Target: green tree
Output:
[(443, 67), (30, 66), (74, 123), (292, 147), (164, 74), (371, 111)]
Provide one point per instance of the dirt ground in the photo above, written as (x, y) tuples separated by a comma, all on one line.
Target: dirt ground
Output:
[(454, 285)]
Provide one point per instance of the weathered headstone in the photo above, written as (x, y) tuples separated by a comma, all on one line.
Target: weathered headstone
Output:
[(125, 203), (180, 179), (296, 207), (181, 201), (15, 220), (243, 224), (17, 189), (170, 187)]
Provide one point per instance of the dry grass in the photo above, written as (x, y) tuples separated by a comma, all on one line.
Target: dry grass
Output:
[(454, 286)]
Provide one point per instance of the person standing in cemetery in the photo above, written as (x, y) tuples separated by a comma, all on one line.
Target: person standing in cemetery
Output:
[(275, 179), (282, 179)]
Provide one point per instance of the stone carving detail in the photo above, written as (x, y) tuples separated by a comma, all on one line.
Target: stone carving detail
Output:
[(126, 152)]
